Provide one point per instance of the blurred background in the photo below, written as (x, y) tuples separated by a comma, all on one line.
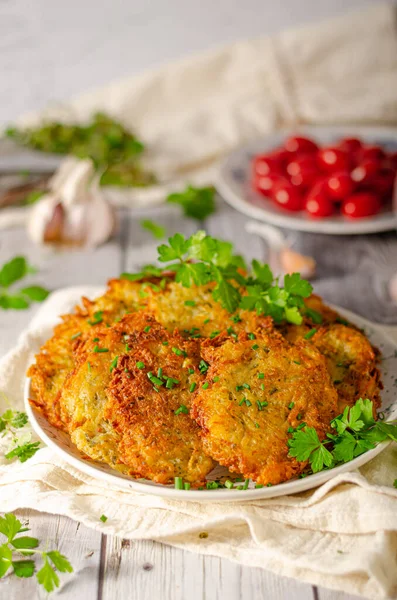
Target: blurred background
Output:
[(50, 51)]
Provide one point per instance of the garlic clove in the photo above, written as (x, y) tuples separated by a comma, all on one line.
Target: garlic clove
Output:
[(292, 262)]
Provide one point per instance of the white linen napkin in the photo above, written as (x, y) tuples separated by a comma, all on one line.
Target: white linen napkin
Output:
[(342, 535)]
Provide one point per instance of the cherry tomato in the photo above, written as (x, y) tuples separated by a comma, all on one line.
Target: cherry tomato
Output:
[(350, 145), (265, 164), (361, 204), (300, 145), (333, 159), (282, 156), (374, 152), (304, 163), (365, 171), (318, 203), (340, 185), (288, 197), (382, 184), (392, 160), (265, 183)]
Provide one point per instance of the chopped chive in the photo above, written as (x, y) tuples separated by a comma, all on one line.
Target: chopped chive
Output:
[(269, 485), (262, 386), (212, 485), (97, 318), (179, 352), (246, 484), (182, 409), (228, 484), (89, 367), (147, 329), (261, 405), (252, 336), (190, 303), (215, 379), (236, 319), (96, 339), (261, 376), (190, 371), (239, 388), (140, 364), (259, 485), (214, 334), (246, 386), (205, 385), (186, 485), (239, 487), (192, 387), (206, 321), (290, 430), (159, 372), (301, 425), (203, 367), (341, 321), (126, 370), (171, 382), (299, 416), (154, 380), (97, 349), (103, 518), (165, 343), (245, 401), (255, 347), (127, 348), (310, 333), (113, 364), (76, 335), (178, 483), (291, 405), (296, 362), (257, 425)]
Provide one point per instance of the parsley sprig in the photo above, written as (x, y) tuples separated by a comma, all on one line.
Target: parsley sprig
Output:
[(21, 446), (356, 431), (197, 203), (16, 548), (11, 272), (202, 259)]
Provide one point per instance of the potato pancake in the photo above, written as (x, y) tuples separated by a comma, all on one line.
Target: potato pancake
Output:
[(257, 389), (350, 357), (128, 399)]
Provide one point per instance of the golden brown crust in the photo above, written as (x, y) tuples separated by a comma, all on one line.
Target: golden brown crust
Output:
[(245, 435), (116, 414)]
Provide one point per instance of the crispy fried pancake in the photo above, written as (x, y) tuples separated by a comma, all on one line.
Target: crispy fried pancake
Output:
[(127, 401), (55, 358), (351, 359), (257, 390)]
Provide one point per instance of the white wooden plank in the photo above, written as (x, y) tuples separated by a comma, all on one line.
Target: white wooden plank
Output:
[(78, 543), (148, 570), (325, 594)]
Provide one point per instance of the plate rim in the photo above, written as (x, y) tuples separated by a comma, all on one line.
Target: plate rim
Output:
[(226, 495), (381, 223)]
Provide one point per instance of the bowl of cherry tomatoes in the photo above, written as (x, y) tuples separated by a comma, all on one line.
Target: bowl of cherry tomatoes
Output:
[(330, 180)]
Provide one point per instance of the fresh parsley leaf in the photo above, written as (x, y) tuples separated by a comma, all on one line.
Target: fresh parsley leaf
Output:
[(47, 576), (35, 293), (60, 561), (294, 284), (10, 526), (158, 231), (23, 453), (303, 443), (13, 271), (227, 295), (24, 542), (178, 246), (16, 302), (5, 559), (320, 458), (315, 316), (23, 568), (197, 203)]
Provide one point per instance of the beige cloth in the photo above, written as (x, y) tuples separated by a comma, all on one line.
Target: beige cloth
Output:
[(342, 535)]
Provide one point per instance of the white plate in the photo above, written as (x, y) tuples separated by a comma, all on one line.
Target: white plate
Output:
[(234, 183), (62, 445)]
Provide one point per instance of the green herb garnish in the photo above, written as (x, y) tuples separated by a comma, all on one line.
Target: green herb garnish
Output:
[(158, 231), (197, 203)]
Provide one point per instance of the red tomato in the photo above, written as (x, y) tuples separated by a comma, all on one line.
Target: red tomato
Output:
[(391, 160), (361, 204), (304, 163), (374, 152), (365, 171), (265, 164), (281, 155), (340, 185), (318, 203), (333, 159), (350, 145), (382, 184), (265, 184), (288, 197), (300, 145)]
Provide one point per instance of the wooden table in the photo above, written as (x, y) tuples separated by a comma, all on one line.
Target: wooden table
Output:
[(108, 568)]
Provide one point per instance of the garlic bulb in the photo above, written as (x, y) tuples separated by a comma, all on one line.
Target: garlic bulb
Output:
[(74, 211)]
